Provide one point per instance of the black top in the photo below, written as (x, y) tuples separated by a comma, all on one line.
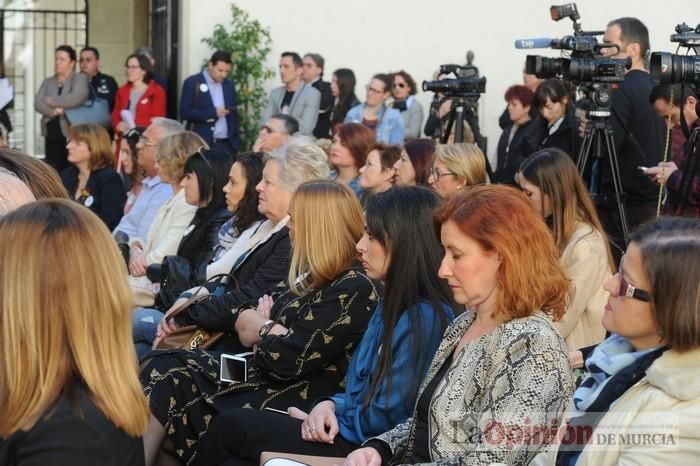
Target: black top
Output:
[(421, 445), (564, 138), (105, 87), (257, 275), (421, 437), (72, 432), (197, 244), (630, 103), (524, 143), (323, 124), (286, 101), (104, 193)]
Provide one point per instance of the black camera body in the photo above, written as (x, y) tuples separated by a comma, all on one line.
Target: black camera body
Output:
[(466, 82), (667, 68), (578, 70), (585, 65)]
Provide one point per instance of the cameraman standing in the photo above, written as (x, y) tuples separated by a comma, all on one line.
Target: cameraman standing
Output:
[(638, 133)]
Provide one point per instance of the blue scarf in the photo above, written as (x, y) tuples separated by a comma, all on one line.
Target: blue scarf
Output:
[(609, 357)]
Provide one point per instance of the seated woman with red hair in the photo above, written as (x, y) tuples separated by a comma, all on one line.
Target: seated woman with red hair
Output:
[(502, 367)]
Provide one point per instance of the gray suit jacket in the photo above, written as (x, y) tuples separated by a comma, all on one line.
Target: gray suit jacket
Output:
[(304, 106), (76, 90)]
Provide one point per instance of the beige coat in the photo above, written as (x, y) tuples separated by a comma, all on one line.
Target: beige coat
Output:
[(670, 391), (167, 228), (585, 260)]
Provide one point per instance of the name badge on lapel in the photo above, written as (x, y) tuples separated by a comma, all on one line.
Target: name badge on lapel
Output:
[(203, 87)]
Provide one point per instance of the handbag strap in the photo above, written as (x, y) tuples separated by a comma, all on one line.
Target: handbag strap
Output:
[(196, 297)]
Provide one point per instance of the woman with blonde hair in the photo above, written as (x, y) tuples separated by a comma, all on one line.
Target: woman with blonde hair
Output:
[(91, 180), (457, 166), (68, 386), (553, 186), (303, 334)]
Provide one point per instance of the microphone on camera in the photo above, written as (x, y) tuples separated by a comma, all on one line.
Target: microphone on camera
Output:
[(566, 42)]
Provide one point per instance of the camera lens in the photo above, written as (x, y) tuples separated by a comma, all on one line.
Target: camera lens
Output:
[(667, 68)]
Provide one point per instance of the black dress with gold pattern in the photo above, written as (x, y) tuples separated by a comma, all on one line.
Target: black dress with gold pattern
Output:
[(311, 361)]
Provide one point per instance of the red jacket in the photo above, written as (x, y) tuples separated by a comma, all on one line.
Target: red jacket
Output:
[(151, 104)]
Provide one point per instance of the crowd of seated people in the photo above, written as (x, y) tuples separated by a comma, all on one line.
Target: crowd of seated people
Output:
[(390, 301)]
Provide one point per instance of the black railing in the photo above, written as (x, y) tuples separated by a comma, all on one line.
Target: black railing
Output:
[(32, 36)]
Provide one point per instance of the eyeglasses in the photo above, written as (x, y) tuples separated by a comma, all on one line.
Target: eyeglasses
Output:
[(436, 174), (132, 67), (401, 85), (373, 90), (630, 291)]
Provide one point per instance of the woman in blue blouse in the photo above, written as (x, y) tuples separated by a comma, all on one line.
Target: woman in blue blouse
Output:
[(401, 338), (374, 114)]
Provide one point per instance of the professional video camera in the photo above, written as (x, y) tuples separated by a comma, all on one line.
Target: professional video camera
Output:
[(667, 68), (593, 74), (463, 91), (466, 82), (585, 64)]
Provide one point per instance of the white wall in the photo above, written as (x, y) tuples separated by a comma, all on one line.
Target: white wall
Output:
[(371, 36)]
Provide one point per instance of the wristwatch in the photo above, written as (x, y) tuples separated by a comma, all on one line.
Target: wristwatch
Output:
[(265, 329)]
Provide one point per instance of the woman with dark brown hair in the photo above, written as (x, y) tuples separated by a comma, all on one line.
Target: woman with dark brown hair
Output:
[(501, 365), (351, 145), (403, 91), (415, 163)]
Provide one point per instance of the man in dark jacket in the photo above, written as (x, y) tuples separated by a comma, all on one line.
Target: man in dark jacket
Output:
[(208, 103), (103, 84)]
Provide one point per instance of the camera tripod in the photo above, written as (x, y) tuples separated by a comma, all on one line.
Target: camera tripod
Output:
[(597, 138), (463, 108)]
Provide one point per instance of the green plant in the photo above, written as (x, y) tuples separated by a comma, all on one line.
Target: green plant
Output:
[(248, 42)]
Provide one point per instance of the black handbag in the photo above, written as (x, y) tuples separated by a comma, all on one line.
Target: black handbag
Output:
[(175, 277)]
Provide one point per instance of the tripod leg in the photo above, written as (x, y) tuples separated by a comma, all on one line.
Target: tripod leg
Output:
[(617, 184)]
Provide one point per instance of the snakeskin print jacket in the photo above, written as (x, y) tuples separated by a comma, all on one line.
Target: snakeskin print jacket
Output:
[(501, 399)]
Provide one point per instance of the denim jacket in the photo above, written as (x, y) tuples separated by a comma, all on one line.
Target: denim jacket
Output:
[(390, 129)]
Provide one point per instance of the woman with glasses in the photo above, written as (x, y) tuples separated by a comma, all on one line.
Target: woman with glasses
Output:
[(456, 166), (352, 142), (403, 91), (643, 379), (385, 122), (378, 173), (415, 163), (172, 219), (139, 100), (553, 186)]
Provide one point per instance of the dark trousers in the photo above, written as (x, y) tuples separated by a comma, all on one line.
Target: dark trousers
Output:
[(238, 437), (55, 146), (223, 146), (636, 212)]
